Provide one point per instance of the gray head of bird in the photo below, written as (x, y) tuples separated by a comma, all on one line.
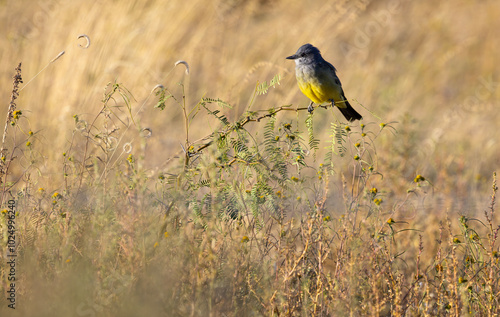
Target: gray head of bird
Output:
[(305, 54)]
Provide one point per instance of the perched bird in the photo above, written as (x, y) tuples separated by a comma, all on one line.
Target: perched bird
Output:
[(318, 80)]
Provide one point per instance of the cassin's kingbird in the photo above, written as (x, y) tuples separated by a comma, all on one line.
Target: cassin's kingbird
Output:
[(318, 80)]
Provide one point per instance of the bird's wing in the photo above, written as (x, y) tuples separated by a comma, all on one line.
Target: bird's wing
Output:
[(343, 100), (334, 70), (331, 67)]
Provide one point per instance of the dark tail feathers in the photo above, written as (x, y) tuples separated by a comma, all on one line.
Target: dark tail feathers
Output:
[(349, 113)]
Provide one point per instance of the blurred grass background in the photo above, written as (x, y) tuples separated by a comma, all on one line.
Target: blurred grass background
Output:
[(429, 66)]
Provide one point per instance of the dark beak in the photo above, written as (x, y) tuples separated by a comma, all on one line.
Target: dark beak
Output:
[(292, 57)]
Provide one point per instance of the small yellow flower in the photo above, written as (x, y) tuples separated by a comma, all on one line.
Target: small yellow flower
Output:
[(419, 178), (130, 158), (456, 240), (166, 234), (56, 195), (248, 191), (474, 236), (287, 125), (17, 114), (298, 158), (357, 144), (41, 189), (4, 211), (161, 177), (277, 138), (390, 221), (382, 125), (326, 219), (363, 134), (362, 125), (295, 179), (299, 198), (156, 244), (378, 201), (462, 280), (374, 191), (30, 133), (347, 128), (356, 157), (68, 260), (245, 239), (28, 144)]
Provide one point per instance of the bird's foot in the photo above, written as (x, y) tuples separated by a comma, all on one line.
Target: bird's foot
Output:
[(310, 109)]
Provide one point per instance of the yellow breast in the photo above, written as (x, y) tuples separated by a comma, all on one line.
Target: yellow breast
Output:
[(313, 92), (319, 86)]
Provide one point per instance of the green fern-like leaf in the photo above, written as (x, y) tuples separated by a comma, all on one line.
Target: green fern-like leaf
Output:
[(275, 81), (338, 140), (204, 183), (229, 201), (269, 136), (263, 88), (329, 161), (219, 102), (222, 118), (313, 142), (162, 98), (207, 202), (239, 146), (198, 214), (282, 169)]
